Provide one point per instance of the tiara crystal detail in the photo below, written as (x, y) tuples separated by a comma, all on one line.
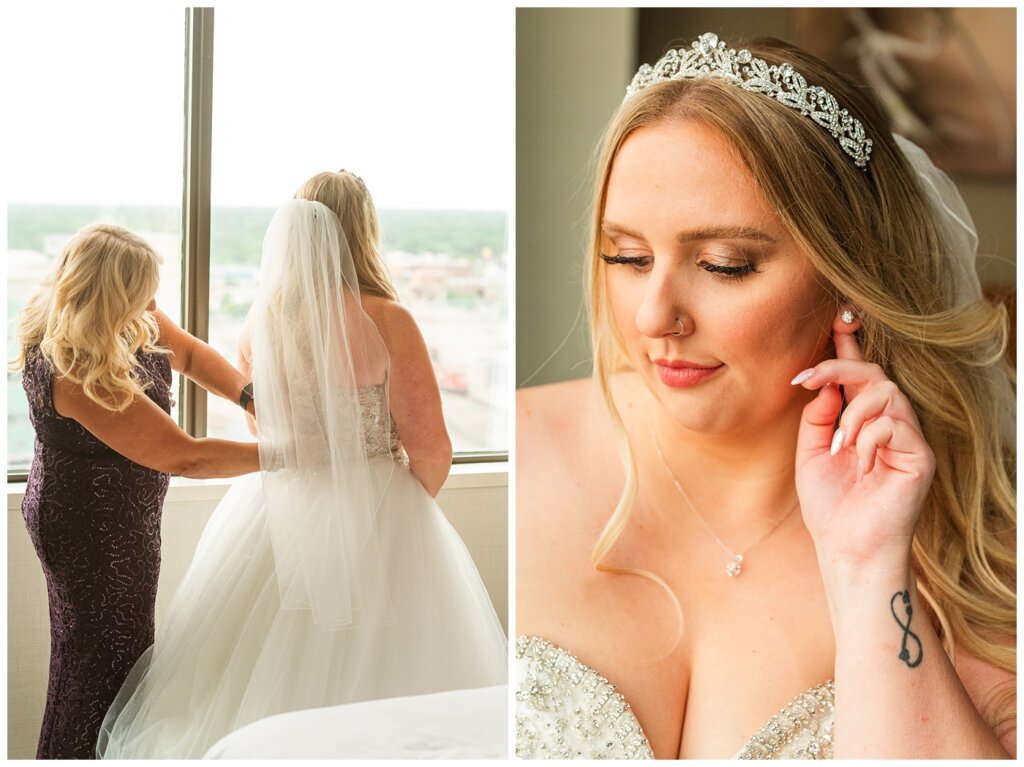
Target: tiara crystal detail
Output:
[(357, 177), (710, 57)]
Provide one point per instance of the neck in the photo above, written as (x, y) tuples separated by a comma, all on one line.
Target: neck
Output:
[(743, 473)]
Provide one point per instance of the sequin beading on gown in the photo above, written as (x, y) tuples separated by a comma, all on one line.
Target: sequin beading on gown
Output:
[(567, 710), (94, 520), (380, 432)]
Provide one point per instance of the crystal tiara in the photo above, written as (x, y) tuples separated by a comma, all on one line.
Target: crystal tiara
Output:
[(357, 178), (709, 57)]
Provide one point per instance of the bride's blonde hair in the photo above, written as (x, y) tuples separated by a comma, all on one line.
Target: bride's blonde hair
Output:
[(871, 237), (347, 195), (89, 318)]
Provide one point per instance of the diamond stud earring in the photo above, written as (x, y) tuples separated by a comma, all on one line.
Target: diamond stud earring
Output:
[(848, 316)]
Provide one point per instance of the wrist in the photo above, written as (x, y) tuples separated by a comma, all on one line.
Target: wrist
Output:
[(855, 591), (842, 573), (857, 568), (245, 398), (843, 577)]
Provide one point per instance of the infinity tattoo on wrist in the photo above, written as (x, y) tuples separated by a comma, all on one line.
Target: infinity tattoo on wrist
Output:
[(907, 633)]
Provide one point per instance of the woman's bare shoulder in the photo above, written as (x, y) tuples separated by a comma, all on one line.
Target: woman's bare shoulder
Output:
[(554, 406), (565, 449), (568, 479), (560, 424), (397, 327), (389, 316)]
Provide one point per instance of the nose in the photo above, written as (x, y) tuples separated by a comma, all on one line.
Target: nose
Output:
[(662, 313)]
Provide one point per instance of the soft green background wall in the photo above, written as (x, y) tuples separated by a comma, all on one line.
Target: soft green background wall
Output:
[(572, 66)]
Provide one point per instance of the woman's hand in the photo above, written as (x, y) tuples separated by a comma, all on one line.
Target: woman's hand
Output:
[(861, 486)]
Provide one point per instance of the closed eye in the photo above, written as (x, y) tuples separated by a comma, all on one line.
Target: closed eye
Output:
[(637, 262), (737, 272)]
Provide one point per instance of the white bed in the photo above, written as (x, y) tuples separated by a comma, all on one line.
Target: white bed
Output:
[(459, 724)]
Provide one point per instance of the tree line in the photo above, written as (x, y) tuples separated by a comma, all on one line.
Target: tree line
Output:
[(236, 234)]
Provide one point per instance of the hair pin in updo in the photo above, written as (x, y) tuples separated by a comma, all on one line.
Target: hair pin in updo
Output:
[(710, 57)]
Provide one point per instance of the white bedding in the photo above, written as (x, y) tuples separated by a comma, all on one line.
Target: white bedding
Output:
[(458, 724)]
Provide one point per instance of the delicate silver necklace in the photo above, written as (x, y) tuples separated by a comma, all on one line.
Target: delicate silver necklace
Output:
[(735, 567)]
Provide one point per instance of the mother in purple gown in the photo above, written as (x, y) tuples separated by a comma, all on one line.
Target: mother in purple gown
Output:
[(97, 357)]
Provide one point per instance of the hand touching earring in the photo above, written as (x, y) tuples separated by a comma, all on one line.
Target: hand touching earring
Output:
[(861, 485)]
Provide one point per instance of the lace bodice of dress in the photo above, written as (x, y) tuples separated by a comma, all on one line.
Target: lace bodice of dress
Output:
[(566, 710), (382, 436)]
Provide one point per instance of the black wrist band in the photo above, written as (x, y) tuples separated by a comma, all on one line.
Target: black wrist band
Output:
[(246, 396)]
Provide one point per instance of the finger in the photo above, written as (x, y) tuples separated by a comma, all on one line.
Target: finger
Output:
[(845, 372), (902, 447), (847, 346), (879, 432), (817, 423), (845, 342), (884, 398)]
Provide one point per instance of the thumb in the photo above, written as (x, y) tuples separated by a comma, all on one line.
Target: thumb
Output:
[(817, 424)]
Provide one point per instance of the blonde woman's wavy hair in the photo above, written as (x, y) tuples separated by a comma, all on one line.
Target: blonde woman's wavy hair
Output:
[(872, 239), (89, 318), (347, 195)]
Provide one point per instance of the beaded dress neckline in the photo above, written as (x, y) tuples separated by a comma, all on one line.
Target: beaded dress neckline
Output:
[(567, 710)]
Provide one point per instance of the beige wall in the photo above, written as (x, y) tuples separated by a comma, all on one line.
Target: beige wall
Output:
[(476, 503)]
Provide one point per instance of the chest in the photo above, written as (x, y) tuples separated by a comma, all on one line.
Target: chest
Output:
[(747, 646)]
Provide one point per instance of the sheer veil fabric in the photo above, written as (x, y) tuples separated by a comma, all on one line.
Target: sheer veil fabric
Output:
[(958, 237), (313, 346), (331, 576)]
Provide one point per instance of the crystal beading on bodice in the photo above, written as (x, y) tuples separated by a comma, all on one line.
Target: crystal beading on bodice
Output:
[(566, 710), (381, 434), (801, 730)]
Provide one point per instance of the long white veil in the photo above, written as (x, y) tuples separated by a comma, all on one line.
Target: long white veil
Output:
[(313, 347), (958, 238)]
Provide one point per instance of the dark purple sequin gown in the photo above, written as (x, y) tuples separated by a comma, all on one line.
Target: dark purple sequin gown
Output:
[(94, 518)]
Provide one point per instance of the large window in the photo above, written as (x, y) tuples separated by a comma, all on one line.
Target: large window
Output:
[(94, 134), (409, 101), (425, 124)]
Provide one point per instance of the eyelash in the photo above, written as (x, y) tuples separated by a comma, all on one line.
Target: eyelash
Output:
[(719, 271), (728, 273)]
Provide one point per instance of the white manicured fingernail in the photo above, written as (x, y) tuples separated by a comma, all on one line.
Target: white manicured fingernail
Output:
[(837, 441), (803, 376)]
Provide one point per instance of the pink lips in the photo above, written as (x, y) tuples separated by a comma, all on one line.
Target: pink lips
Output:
[(682, 373)]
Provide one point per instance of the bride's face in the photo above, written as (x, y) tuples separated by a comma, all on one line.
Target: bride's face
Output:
[(692, 239)]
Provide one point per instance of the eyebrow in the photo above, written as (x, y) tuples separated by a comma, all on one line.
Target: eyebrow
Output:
[(700, 233)]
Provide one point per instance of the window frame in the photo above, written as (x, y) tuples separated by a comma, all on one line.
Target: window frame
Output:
[(195, 230)]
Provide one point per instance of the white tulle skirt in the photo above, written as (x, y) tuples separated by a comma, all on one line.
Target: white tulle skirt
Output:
[(227, 654)]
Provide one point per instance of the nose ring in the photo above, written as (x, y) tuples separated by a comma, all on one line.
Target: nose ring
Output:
[(682, 329)]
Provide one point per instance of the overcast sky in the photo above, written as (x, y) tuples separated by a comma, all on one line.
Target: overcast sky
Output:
[(419, 102)]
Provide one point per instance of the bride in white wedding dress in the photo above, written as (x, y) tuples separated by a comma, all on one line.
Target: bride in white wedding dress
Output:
[(780, 520), (331, 576)]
